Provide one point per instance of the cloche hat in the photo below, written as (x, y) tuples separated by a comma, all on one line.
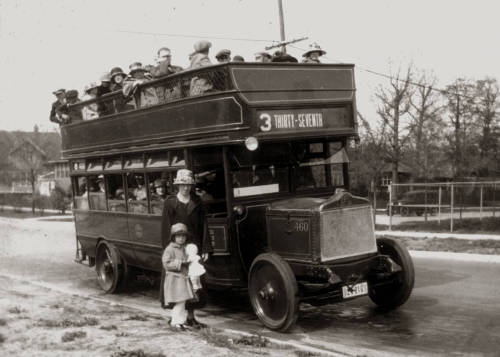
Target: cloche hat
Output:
[(116, 71), (201, 46), (184, 177), (314, 47), (178, 228), (136, 66), (223, 53)]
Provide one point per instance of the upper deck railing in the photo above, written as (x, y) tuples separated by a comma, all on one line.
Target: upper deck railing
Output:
[(212, 101)]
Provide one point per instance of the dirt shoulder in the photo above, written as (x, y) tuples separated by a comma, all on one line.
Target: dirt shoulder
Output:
[(42, 322)]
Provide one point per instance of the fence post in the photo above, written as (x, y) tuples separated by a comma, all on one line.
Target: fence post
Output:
[(494, 198), (390, 207), (439, 205), (451, 209), (481, 203)]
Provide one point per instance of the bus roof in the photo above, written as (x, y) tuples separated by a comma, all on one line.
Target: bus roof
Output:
[(269, 101)]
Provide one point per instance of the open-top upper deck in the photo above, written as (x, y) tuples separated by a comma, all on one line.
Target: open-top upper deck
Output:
[(219, 104)]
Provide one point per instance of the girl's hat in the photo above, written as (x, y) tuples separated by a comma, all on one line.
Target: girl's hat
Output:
[(178, 228), (184, 177)]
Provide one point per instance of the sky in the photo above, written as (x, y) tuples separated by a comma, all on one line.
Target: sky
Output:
[(51, 44)]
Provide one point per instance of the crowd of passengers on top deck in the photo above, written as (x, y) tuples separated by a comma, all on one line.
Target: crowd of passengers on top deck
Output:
[(116, 80)]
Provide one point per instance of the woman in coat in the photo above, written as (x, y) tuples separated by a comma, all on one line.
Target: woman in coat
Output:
[(185, 207)]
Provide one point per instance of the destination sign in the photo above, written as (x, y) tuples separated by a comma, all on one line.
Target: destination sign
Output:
[(303, 119)]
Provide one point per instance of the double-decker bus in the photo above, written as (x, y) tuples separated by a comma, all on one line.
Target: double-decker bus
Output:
[(268, 146)]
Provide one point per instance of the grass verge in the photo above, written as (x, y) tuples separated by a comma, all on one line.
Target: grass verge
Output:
[(488, 225)]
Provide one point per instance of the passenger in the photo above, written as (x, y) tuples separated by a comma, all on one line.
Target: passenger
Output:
[(105, 87), (105, 106), (101, 184), (90, 111), (223, 56), (138, 75), (177, 288), (74, 114), (117, 78), (262, 57), (279, 56), (314, 53), (164, 65), (159, 193), (199, 58), (238, 58), (186, 208), (119, 194), (61, 100), (164, 68), (139, 192)]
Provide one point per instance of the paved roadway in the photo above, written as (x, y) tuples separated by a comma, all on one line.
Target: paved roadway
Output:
[(454, 309)]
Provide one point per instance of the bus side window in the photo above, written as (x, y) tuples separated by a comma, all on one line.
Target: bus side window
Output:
[(97, 192), (116, 195), (137, 193), (80, 192)]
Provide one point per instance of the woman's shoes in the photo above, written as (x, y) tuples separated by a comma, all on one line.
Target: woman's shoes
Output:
[(196, 324)]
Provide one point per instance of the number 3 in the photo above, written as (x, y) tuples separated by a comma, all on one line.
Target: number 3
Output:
[(266, 119)]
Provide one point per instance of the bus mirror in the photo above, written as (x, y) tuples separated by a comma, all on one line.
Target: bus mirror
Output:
[(251, 143), (240, 210)]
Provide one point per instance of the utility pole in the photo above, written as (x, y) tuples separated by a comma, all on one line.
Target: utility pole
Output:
[(282, 26)]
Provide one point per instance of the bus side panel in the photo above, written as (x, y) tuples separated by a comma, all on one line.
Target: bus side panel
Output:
[(90, 226), (144, 232)]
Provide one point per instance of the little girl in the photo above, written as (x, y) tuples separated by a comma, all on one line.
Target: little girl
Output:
[(195, 269), (177, 288)]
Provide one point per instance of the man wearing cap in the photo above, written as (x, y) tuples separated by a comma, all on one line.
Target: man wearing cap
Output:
[(61, 101), (74, 114), (185, 207), (139, 75), (199, 58), (279, 56), (262, 57), (223, 56), (313, 54)]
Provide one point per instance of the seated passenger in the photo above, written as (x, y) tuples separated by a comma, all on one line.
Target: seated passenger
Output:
[(314, 53), (61, 101), (199, 58), (223, 56), (238, 58), (138, 75), (117, 77), (159, 193), (90, 111), (168, 91), (279, 56), (262, 57), (74, 114)]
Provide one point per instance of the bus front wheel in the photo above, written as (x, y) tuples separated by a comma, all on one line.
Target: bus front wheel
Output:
[(273, 292), (110, 267)]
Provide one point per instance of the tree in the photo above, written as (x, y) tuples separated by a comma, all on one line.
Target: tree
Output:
[(425, 126), (394, 104), (30, 158), (460, 102), (487, 105)]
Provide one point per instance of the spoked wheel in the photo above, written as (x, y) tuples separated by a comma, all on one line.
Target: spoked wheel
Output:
[(396, 293), (273, 292), (110, 267)]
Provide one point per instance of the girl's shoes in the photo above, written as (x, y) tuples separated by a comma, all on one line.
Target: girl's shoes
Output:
[(195, 323)]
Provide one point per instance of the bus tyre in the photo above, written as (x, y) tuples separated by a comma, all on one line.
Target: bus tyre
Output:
[(273, 292), (110, 267), (395, 294)]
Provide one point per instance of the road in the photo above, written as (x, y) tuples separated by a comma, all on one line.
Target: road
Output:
[(454, 309)]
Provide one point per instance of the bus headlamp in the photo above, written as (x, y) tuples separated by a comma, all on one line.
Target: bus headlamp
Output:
[(251, 143)]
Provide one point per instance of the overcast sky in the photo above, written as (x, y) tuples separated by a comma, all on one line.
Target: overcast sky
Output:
[(48, 44)]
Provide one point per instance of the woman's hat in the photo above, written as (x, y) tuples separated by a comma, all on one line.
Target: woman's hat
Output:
[(314, 47), (223, 53), (184, 177), (201, 46), (263, 54), (159, 183), (116, 71), (91, 86), (72, 93), (136, 66), (178, 228)]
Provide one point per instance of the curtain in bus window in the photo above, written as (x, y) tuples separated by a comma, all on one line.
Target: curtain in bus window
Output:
[(116, 196), (137, 193)]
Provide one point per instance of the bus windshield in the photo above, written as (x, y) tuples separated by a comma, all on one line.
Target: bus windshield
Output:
[(287, 167)]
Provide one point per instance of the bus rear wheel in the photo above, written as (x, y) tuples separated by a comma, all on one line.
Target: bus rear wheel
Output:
[(111, 269), (273, 292), (396, 293)]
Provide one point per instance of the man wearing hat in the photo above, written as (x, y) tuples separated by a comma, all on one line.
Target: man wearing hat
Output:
[(139, 75), (313, 54), (185, 207), (74, 114), (199, 58), (61, 101), (223, 56), (262, 57), (279, 56)]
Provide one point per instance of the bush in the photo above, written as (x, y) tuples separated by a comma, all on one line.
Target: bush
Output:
[(59, 199)]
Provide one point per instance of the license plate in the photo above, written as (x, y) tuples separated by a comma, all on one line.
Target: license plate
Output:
[(355, 290)]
